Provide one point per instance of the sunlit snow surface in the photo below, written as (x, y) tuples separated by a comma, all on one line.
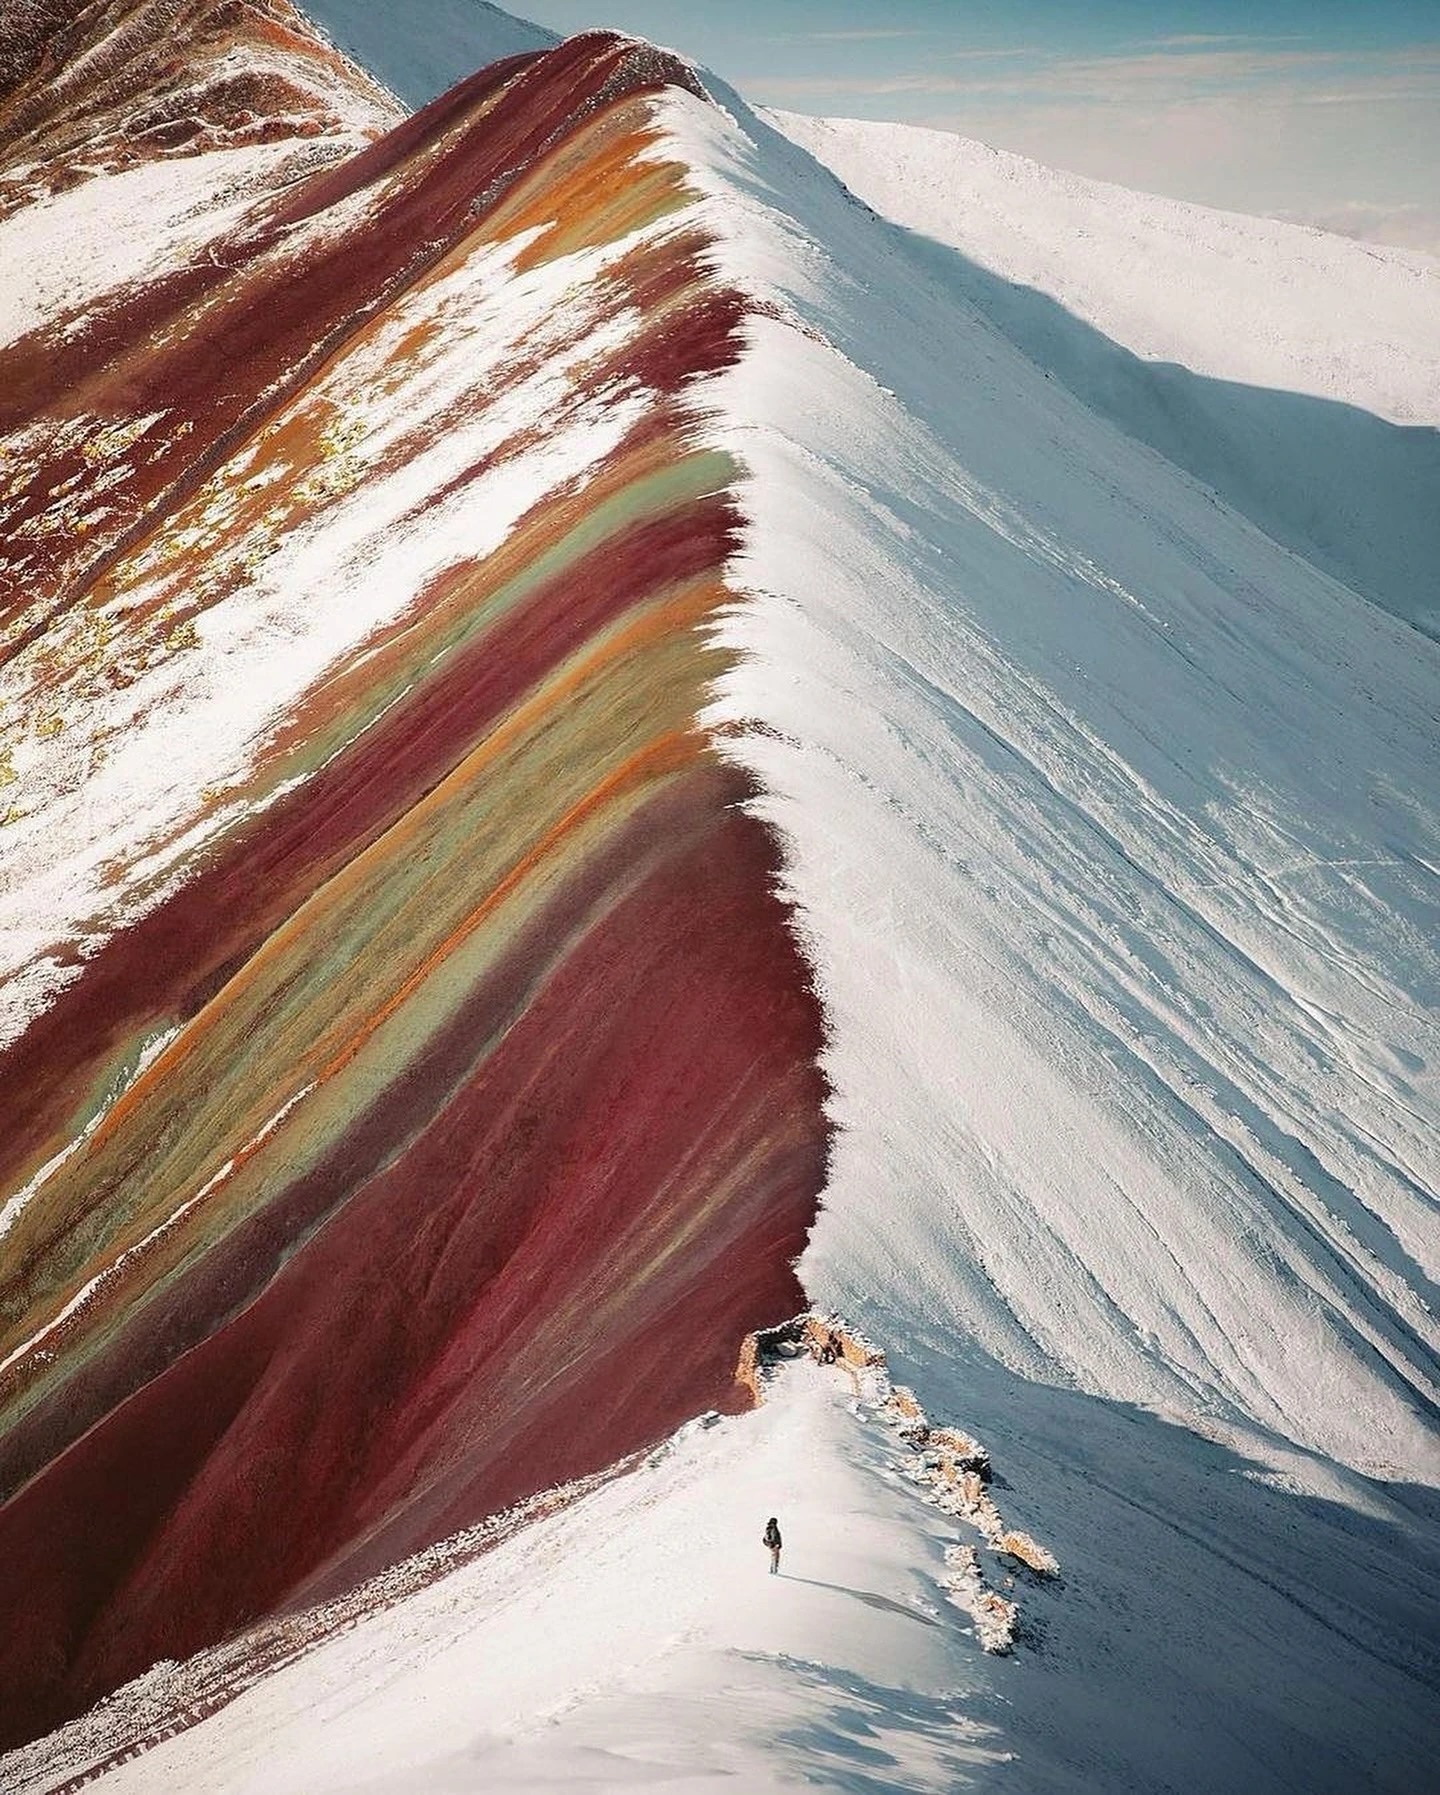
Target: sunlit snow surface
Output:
[(638, 1640), (1294, 373), (1251, 300)]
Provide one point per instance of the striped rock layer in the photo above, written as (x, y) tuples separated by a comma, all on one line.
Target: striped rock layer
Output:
[(94, 86), (419, 1111)]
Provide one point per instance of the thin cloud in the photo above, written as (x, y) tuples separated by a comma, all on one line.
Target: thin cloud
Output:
[(1379, 92), (819, 87), (1408, 225), (1198, 40), (1212, 66), (857, 37), (875, 35), (1028, 54), (1317, 77)]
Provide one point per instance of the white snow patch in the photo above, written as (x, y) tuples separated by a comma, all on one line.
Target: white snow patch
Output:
[(60, 255), (423, 49), (121, 788)]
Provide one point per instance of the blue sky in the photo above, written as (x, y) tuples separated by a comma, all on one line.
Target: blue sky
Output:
[(1327, 111)]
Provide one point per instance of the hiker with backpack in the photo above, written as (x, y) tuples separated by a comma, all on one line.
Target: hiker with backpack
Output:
[(771, 1538)]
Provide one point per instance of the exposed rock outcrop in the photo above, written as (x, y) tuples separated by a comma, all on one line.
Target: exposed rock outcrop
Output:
[(951, 1466)]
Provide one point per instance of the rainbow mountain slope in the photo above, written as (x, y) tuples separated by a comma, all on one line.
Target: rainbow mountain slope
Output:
[(411, 1089), (121, 84)]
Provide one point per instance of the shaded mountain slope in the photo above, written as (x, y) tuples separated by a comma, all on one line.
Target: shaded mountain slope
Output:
[(426, 1104), (417, 55)]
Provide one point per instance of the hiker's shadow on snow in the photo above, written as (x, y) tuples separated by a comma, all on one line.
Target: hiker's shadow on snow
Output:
[(867, 1596)]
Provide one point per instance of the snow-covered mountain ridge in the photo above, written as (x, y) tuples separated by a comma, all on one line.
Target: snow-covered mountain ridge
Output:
[(418, 57), (1226, 295), (1267, 315), (1107, 825), (1085, 703)]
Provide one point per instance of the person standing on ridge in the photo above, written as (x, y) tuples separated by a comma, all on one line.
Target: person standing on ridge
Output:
[(771, 1538)]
